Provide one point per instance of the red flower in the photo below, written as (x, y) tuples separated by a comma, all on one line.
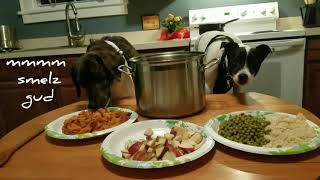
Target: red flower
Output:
[(181, 34)]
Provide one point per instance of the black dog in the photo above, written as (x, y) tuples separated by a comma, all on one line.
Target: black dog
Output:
[(97, 71), (237, 65)]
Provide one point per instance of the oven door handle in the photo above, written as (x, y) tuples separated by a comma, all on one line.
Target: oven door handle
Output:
[(285, 45), (282, 45)]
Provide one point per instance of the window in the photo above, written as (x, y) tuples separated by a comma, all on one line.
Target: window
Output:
[(34, 11), (53, 2)]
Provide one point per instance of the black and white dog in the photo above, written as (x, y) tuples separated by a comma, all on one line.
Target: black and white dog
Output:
[(97, 71), (230, 64)]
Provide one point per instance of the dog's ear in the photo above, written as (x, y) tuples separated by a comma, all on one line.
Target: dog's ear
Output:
[(223, 44), (109, 63), (74, 76), (262, 51), (230, 48), (91, 43), (109, 66)]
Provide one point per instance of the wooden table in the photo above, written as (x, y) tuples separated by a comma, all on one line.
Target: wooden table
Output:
[(46, 158)]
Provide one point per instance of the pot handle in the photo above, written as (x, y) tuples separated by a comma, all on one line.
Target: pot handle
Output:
[(128, 70), (211, 63)]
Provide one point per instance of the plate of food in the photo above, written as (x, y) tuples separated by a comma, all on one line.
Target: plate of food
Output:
[(88, 124), (156, 144), (265, 132)]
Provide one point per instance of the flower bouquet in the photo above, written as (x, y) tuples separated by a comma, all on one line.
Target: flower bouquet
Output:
[(173, 28)]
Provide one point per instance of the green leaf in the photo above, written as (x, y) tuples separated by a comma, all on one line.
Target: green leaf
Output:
[(112, 109), (85, 135), (221, 118), (111, 157), (159, 164), (305, 147), (266, 113), (183, 125), (294, 150), (130, 163), (51, 133), (171, 123), (176, 162)]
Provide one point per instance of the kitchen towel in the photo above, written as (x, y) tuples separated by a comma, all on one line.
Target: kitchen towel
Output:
[(17, 138)]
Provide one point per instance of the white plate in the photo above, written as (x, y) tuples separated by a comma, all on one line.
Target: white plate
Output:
[(212, 128), (115, 142), (54, 129)]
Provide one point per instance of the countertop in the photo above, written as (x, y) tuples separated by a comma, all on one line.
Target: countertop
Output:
[(49, 51), (290, 23), (43, 157), (312, 31), (141, 40)]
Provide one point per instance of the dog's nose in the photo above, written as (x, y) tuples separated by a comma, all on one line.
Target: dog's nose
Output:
[(243, 78)]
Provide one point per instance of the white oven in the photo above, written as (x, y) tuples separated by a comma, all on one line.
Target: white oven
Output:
[(281, 74)]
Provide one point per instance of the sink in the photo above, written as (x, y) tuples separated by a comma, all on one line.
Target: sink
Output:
[(50, 48)]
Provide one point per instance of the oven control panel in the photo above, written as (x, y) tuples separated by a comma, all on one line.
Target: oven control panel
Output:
[(245, 13)]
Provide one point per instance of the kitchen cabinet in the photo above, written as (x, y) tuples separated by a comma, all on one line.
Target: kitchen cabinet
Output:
[(13, 94), (11, 113), (311, 100)]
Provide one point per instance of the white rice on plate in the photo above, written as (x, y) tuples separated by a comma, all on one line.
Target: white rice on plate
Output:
[(288, 131)]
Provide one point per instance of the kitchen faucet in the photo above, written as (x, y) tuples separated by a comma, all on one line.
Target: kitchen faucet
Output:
[(77, 38)]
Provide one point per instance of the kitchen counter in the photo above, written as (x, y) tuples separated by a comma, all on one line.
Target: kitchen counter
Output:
[(141, 40), (51, 51), (42, 157), (312, 31), (291, 23)]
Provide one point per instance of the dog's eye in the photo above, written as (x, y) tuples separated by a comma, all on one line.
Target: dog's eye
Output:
[(233, 64)]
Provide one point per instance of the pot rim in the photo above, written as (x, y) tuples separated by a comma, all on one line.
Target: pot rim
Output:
[(179, 56)]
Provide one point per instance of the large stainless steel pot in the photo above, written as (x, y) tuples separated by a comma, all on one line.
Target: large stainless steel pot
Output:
[(169, 85), (8, 38)]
